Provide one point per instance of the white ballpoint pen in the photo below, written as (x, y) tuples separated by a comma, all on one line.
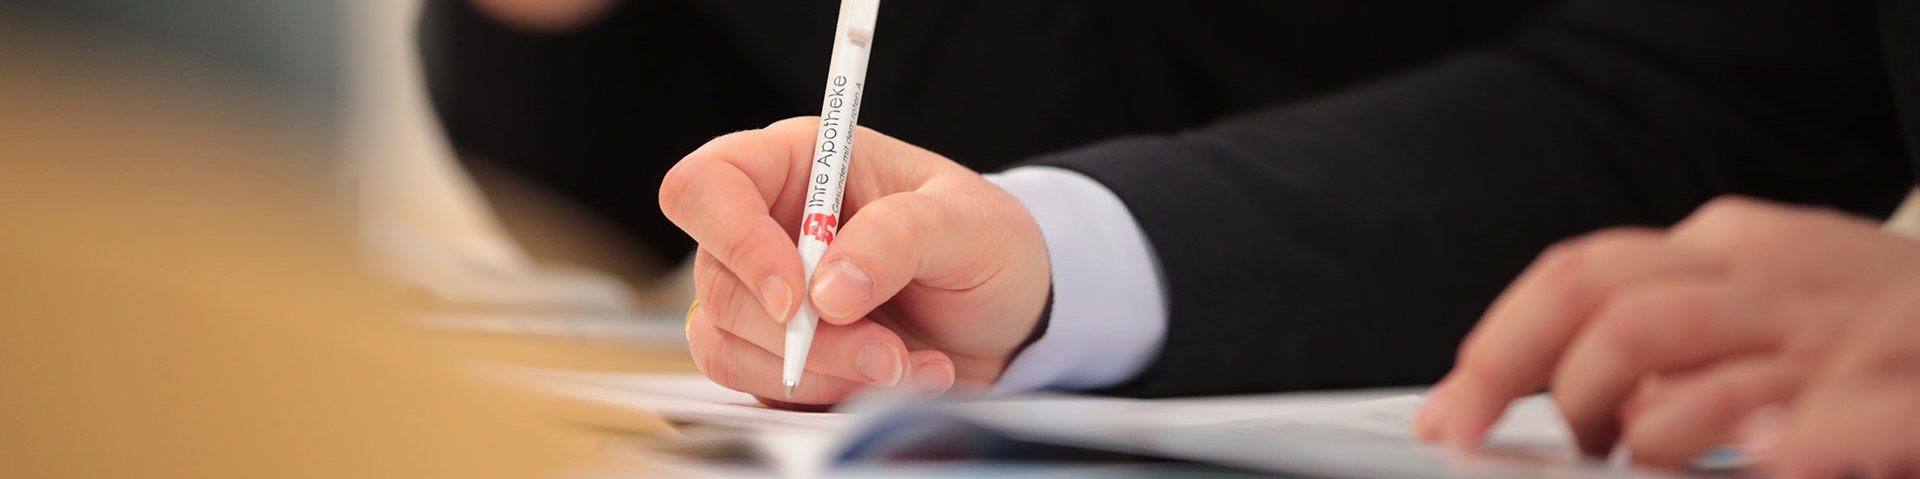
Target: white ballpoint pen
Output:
[(832, 155)]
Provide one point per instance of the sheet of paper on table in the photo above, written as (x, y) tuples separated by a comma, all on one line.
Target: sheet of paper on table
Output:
[(1343, 434)]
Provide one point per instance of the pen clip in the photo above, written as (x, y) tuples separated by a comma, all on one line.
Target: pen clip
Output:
[(858, 18)]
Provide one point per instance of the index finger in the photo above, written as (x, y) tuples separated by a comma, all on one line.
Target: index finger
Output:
[(726, 196)]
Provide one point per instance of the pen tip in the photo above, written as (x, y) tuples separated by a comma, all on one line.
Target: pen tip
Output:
[(790, 386)]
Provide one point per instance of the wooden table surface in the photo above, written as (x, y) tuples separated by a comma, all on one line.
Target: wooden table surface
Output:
[(587, 428)]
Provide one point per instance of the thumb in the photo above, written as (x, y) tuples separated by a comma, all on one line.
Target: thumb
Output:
[(900, 238)]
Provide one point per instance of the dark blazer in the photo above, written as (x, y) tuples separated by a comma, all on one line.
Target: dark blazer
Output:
[(1353, 240), (599, 114)]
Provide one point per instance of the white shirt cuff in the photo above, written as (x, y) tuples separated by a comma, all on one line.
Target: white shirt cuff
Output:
[(1109, 305)]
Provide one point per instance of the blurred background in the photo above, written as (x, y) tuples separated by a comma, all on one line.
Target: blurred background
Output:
[(184, 290)]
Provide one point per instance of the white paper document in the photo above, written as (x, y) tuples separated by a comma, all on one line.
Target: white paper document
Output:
[(1343, 434), (675, 397), (1375, 439)]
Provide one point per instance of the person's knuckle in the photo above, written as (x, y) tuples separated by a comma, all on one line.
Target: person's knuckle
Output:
[(677, 186), (1625, 330), (1680, 311), (1578, 266), (1731, 205), (1732, 219), (1764, 229), (1596, 258), (1637, 328), (1566, 264)]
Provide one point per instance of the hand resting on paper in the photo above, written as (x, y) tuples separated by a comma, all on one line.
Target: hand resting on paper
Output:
[(1669, 342)]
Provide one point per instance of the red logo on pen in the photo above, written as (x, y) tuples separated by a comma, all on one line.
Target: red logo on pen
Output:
[(820, 226)]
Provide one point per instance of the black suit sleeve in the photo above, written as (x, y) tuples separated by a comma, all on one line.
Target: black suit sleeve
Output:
[(1352, 241)]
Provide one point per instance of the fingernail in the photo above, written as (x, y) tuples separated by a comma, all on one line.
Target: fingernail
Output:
[(841, 289), (775, 296), (883, 365), (933, 378)]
